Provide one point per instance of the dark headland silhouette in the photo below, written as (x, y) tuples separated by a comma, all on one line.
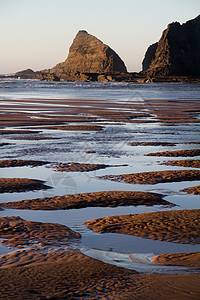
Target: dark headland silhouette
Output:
[(175, 57), (177, 52)]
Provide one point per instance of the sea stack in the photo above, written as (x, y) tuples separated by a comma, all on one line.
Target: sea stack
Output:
[(88, 54), (177, 52)]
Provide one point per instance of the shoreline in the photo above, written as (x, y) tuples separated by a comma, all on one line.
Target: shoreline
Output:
[(134, 77)]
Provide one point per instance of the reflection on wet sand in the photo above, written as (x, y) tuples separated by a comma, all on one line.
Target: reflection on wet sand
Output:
[(79, 124)]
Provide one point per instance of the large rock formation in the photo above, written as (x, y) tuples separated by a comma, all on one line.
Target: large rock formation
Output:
[(177, 52), (149, 56), (88, 54)]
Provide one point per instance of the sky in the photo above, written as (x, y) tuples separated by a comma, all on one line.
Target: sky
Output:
[(37, 34)]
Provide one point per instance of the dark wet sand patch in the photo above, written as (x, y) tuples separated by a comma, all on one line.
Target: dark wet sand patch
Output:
[(18, 232), (191, 259), (177, 226), (81, 109), (17, 118), (79, 167), (72, 275), (11, 185), (155, 177), (173, 111), (76, 127), (4, 144), (177, 153), (193, 143), (90, 151), (34, 138), (151, 144), (31, 118), (61, 167), (21, 163), (192, 190), (17, 131), (189, 163), (102, 199)]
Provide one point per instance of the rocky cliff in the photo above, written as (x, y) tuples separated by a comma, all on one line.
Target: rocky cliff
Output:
[(177, 52), (149, 56), (88, 54)]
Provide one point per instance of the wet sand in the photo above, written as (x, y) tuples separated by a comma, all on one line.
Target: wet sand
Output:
[(178, 226), (77, 127), (34, 255), (33, 138), (90, 151), (155, 177), (77, 167), (192, 190), (69, 110), (178, 259), (19, 233), (151, 144), (17, 131), (61, 167), (11, 185), (102, 199), (37, 255), (4, 144), (72, 275), (177, 153), (189, 163), (21, 163)]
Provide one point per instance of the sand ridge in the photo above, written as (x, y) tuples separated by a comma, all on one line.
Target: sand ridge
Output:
[(33, 138), (21, 163), (11, 185), (76, 127), (18, 232), (78, 167), (155, 177), (18, 131), (191, 259), (178, 226), (151, 144), (188, 163), (177, 153), (102, 199), (192, 190)]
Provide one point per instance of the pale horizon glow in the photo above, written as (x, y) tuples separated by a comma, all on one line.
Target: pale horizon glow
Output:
[(37, 34)]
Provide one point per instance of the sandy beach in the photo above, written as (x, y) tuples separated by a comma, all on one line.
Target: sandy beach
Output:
[(79, 142), (69, 275)]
